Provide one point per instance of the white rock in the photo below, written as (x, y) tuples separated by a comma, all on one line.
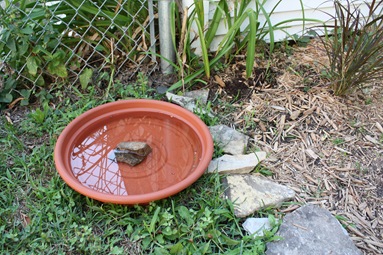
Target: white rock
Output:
[(229, 140), (256, 226), (236, 164), (180, 100), (188, 103), (252, 192)]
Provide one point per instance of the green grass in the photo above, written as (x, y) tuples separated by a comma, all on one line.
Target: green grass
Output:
[(40, 214)]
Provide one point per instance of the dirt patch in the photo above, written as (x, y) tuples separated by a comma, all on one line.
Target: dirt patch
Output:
[(236, 87)]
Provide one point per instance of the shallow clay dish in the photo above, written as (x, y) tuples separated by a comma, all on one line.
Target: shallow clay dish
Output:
[(181, 144)]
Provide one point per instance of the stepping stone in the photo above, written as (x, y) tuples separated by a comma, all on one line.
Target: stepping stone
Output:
[(252, 192), (229, 140), (236, 164), (312, 230)]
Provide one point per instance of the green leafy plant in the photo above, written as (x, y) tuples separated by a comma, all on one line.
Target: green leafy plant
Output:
[(28, 49), (38, 115), (46, 42), (29, 46), (95, 23), (7, 89), (355, 48), (236, 39)]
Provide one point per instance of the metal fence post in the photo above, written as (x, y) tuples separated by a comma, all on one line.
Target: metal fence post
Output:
[(166, 43)]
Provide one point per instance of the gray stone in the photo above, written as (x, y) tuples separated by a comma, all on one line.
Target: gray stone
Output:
[(311, 230), (252, 192), (180, 100), (132, 152), (188, 103), (161, 89), (255, 226), (229, 140), (201, 95), (236, 164)]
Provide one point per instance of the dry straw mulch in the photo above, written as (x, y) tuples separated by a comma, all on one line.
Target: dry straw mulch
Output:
[(328, 149)]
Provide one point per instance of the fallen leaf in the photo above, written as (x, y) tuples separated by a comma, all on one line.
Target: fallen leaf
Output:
[(220, 82), (8, 119), (11, 105)]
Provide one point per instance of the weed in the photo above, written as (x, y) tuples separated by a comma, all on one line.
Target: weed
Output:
[(218, 151), (139, 89), (302, 41), (338, 141), (205, 113), (39, 115), (7, 92), (43, 43), (344, 221), (263, 170), (368, 101), (249, 123), (23, 48)]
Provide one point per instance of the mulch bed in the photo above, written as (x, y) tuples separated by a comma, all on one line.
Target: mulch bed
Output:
[(328, 149)]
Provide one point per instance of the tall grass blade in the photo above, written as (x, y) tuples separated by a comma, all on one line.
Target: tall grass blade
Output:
[(251, 44), (205, 54), (200, 11), (212, 31)]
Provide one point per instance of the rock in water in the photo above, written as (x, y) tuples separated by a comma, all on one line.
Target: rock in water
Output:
[(132, 153)]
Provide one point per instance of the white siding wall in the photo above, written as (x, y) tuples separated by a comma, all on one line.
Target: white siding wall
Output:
[(2, 5), (287, 9)]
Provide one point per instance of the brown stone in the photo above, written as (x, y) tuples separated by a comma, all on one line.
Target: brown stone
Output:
[(132, 153)]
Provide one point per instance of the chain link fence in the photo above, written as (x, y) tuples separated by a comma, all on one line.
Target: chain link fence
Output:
[(44, 42)]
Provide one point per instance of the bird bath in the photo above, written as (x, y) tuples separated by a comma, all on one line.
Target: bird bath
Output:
[(181, 145)]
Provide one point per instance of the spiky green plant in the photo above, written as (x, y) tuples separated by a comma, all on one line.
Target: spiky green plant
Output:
[(355, 48), (236, 39)]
